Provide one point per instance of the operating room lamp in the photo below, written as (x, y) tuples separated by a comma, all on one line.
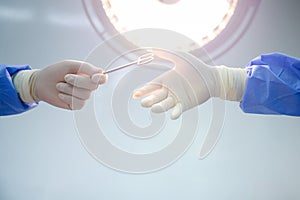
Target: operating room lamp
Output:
[(215, 25)]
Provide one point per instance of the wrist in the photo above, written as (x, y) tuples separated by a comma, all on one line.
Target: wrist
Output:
[(32, 83), (230, 83), (24, 82)]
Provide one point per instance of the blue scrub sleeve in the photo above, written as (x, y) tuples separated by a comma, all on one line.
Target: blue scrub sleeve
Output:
[(10, 103), (273, 85)]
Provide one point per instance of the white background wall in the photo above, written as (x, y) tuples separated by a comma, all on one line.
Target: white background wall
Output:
[(41, 156)]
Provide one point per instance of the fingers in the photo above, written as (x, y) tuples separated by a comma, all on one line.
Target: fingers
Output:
[(99, 78), (73, 102), (89, 69), (84, 82), (167, 104), (79, 67), (164, 105), (73, 91), (77, 88), (176, 112), (85, 69), (157, 96), (161, 101), (73, 96), (145, 90)]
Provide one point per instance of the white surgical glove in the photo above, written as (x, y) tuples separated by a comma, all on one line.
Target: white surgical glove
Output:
[(67, 84), (190, 83)]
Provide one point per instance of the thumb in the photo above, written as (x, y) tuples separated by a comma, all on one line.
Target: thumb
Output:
[(80, 67)]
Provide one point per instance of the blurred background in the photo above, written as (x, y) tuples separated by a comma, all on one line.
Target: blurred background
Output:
[(41, 155)]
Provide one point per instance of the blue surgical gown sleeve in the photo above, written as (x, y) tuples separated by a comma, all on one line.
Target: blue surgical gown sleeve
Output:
[(272, 85), (10, 103)]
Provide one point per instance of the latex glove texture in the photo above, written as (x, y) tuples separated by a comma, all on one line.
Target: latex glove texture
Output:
[(183, 87), (67, 84), (190, 83)]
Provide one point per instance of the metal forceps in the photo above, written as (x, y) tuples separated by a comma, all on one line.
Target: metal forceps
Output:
[(142, 60)]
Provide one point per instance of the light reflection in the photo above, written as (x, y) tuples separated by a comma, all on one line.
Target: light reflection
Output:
[(200, 20)]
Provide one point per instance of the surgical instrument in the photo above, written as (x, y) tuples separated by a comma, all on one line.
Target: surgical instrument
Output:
[(142, 60)]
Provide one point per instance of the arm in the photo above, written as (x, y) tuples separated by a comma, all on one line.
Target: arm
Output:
[(273, 85), (269, 85), (67, 84), (10, 103)]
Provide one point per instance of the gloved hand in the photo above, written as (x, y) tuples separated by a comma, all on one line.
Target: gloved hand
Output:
[(190, 83), (67, 84)]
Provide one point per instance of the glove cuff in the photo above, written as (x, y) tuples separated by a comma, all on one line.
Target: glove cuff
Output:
[(231, 83), (24, 82)]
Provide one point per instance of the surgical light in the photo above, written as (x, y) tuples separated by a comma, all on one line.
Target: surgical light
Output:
[(200, 20)]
